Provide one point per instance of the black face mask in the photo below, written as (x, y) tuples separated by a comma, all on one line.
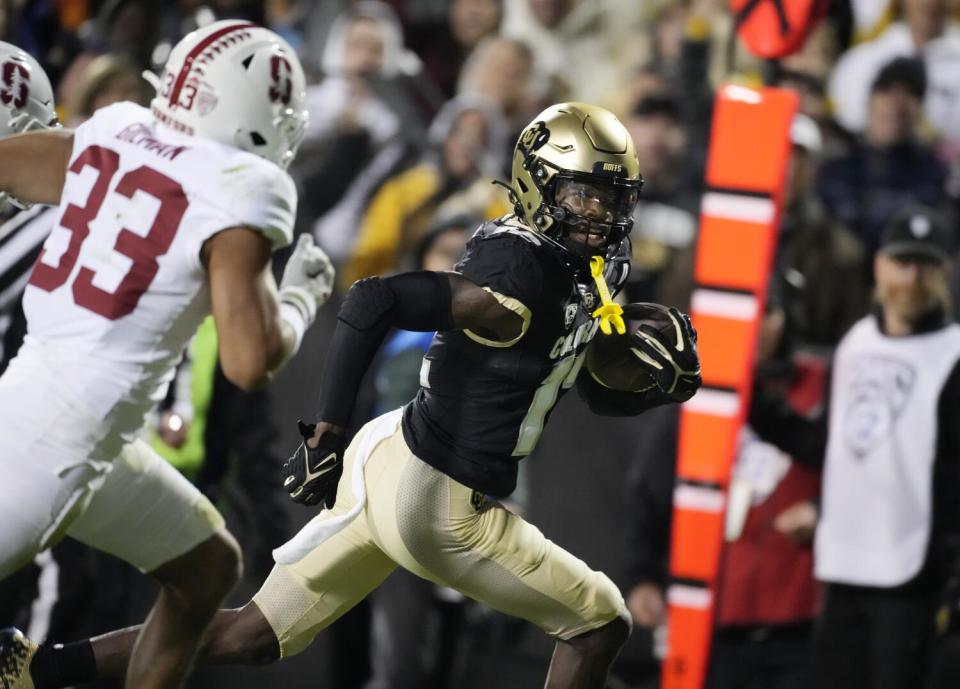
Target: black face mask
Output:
[(581, 250), (612, 235), (591, 210)]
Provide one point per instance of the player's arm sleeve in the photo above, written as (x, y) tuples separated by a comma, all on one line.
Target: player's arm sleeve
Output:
[(420, 301), (423, 301), (607, 402), (505, 267)]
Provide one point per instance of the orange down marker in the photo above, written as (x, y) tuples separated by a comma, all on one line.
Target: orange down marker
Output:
[(740, 214)]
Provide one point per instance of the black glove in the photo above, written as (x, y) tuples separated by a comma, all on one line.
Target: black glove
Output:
[(673, 359), (311, 475)]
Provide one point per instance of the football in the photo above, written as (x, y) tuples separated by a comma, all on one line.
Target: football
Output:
[(609, 358)]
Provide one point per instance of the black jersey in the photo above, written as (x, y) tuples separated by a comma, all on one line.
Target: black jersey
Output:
[(482, 404)]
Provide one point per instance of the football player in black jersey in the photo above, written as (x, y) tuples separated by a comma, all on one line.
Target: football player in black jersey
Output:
[(418, 487)]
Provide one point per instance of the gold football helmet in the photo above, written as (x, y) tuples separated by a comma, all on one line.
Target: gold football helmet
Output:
[(576, 178)]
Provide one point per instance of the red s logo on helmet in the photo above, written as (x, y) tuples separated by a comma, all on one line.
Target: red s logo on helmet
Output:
[(282, 87), (16, 84)]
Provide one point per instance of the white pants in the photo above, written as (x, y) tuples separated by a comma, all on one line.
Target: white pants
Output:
[(54, 481)]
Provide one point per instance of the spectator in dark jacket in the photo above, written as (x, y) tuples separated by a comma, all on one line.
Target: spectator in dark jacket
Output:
[(823, 263), (890, 167)]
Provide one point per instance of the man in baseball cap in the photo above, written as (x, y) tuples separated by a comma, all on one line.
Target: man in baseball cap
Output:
[(918, 231), (891, 450), (912, 268)]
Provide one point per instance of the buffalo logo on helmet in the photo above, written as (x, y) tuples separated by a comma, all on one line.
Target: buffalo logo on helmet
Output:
[(16, 84), (535, 136)]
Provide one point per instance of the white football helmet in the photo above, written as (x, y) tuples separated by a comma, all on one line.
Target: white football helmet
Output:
[(26, 100), (236, 83), (26, 97)]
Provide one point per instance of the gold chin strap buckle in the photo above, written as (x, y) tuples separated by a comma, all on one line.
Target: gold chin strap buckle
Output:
[(610, 313)]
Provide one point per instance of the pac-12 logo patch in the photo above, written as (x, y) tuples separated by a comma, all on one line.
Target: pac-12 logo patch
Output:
[(206, 102), (282, 86), (16, 84), (880, 390)]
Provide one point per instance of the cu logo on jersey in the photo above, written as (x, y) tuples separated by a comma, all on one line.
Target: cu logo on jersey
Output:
[(282, 87), (569, 344), (16, 85)]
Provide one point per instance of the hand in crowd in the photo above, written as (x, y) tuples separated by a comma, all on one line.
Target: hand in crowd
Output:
[(798, 522), (172, 429), (647, 605)]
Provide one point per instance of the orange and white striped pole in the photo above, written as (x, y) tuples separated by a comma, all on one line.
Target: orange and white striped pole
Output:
[(740, 214)]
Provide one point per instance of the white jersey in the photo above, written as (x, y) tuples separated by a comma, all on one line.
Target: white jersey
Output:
[(877, 502), (119, 288)]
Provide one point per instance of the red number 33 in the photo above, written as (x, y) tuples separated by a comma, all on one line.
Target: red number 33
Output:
[(142, 249)]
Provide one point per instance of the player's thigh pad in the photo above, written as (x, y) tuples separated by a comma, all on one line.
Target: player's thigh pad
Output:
[(146, 512), (300, 599), (45, 478), (445, 532), (36, 504)]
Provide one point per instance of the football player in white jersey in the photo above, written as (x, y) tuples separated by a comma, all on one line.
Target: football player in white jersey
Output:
[(165, 214)]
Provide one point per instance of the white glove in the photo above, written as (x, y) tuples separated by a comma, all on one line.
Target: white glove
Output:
[(307, 278)]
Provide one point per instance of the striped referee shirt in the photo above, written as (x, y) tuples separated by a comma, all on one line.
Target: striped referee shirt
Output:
[(21, 239)]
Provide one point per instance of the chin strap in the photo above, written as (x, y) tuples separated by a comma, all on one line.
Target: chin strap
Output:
[(610, 313)]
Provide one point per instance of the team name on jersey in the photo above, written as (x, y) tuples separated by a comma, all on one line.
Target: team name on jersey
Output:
[(568, 344), (140, 135)]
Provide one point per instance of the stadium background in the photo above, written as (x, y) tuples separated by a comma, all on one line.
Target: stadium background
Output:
[(653, 63)]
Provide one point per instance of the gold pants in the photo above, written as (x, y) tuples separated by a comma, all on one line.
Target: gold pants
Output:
[(424, 521)]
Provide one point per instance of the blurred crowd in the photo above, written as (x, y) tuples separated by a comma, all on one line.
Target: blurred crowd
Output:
[(414, 108)]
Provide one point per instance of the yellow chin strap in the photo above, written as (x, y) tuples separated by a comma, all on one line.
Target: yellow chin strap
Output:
[(610, 313)]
